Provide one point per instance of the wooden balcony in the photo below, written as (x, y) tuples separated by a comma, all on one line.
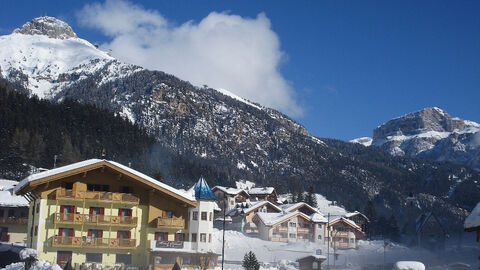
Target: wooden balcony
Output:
[(174, 223), (90, 242), (14, 220), (60, 218), (281, 229), (98, 196), (304, 230)]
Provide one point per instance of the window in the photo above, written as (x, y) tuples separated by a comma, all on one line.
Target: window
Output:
[(123, 258), (293, 224), (124, 212), (319, 226), (11, 213), (94, 257), (315, 265), (168, 214), (2, 213), (96, 211), (345, 240), (319, 237), (203, 237), (292, 235), (194, 237), (204, 216), (123, 234), (95, 233), (209, 237), (125, 189), (69, 186), (162, 236), (195, 215), (37, 209), (352, 240), (210, 217), (36, 230), (180, 237), (284, 225)]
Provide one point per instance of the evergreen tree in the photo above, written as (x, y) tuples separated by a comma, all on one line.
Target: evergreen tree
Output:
[(371, 213), (311, 198), (301, 197), (250, 261), (393, 230)]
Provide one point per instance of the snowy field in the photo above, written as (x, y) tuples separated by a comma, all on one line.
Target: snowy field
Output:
[(369, 253)]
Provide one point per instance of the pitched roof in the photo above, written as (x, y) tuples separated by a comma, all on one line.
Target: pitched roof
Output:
[(472, 222), (92, 164), (229, 190), (423, 218), (270, 219), (249, 207), (261, 191), (203, 191), (352, 214), (345, 220), (294, 206), (7, 199)]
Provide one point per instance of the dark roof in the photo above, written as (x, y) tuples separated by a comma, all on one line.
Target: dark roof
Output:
[(203, 191)]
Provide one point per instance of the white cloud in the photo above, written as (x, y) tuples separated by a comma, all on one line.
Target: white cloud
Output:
[(222, 50)]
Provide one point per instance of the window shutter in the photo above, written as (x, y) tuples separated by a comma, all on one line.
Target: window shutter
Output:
[(102, 211), (73, 209), (119, 212), (176, 236), (118, 234), (129, 234), (91, 211), (129, 212), (62, 208), (60, 232), (89, 232), (100, 233), (156, 235), (70, 232), (165, 236)]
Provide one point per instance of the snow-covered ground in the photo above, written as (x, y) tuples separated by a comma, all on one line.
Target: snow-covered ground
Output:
[(369, 253)]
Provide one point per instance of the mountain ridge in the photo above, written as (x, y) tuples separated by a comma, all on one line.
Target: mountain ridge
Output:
[(240, 139), (430, 133)]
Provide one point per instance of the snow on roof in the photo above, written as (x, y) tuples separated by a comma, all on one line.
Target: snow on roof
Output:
[(473, 220), (352, 214), (228, 190), (270, 219), (346, 220), (7, 199), (408, 265), (261, 191), (81, 164), (318, 257), (316, 217), (289, 207)]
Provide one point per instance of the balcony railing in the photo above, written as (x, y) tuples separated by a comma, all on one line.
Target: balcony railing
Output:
[(14, 220), (100, 196), (62, 218), (304, 230), (281, 229), (91, 242), (175, 223)]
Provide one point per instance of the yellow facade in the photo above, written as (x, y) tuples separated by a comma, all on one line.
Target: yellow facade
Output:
[(152, 210)]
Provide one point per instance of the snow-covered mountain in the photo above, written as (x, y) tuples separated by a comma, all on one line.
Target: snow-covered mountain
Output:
[(431, 134), (45, 56), (239, 138)]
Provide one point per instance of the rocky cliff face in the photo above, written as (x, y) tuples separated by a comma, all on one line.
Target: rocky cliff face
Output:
[(239, 138), (47, 26), (431, 134)]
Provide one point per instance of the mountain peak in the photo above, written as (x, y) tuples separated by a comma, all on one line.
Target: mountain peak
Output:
[(48, 26)]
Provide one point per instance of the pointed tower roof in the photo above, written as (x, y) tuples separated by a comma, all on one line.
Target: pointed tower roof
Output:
[(203, 191)]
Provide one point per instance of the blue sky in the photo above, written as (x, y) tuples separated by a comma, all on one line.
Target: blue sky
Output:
[(348, 65)]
